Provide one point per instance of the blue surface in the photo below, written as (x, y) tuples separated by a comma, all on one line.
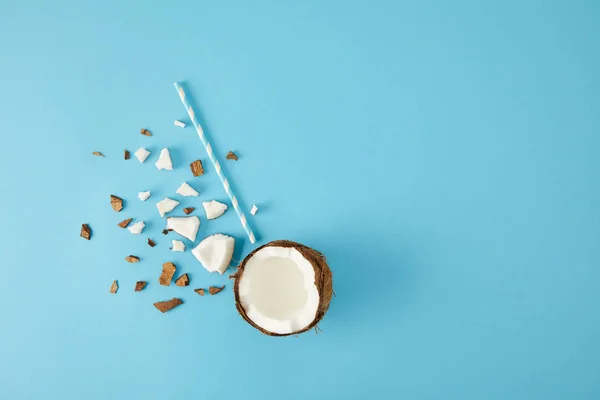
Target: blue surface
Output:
[(443, 155)]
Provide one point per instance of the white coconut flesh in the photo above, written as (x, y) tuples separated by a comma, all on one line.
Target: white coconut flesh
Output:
[(164, 161), (277, 290), (215, 252), (185, 226)]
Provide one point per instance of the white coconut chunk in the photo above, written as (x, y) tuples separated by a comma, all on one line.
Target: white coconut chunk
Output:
[(142, 154), (179, 123), (143, 196), (166, 205), (185, 226), (164, 161), (215, 252), (177, 245), (187, 190), (277, 290), (254, 209), (214, 209), (137, 228)]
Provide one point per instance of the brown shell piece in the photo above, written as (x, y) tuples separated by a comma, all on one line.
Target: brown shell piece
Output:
[(140, 285), (199, 291), (166, 276), (145, 132), (231, 156), (116, 203), (151, 242), (183, 280), (214, 289), (114, 287), (164, 306), (188, 210), (196, 168), (132, 259), (126, 154), (86, 231), (124, 223), (97, 153)]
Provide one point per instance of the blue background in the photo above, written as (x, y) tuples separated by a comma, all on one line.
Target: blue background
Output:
[(443, 155)]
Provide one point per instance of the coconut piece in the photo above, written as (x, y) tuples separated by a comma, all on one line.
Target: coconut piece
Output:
[(187, 190), (145, 132), (151, 242), (132, 259), (126, 154), (231, 156), (164, 161), (254, 209), (283, 288), (141, 154), (97, 153), (114, 287), (166, 231), (123, 224), (137, 228), (185, 226), (168, 270), (188, 210), (214, 209), (177, 245), (214, 289), (179, 123), (143, 196), (164, 306), (166, 205), (116, 203), (199, 291), (215, 252), (183, 280), (196, 167), (140, 285), (86, 232)]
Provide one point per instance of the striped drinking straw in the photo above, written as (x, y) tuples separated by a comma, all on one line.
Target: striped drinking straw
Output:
[(214, 161)]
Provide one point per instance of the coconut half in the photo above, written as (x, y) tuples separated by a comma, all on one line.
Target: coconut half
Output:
[(283, 288)]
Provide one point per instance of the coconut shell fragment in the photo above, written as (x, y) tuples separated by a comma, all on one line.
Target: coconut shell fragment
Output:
[(140, 285), (166, 231), (231, 156), (97, 154), (126, 154), (196, 167), (214, 290), (132, 259), (183, 280), (123, 224), (164, 306), (188, 210), (145, 132), (168, 270), (114, 287), (116, 203), (86, 231), (151, 242), (199, 291)]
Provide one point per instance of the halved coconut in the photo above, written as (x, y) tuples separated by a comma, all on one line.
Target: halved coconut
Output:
[(283, 288)]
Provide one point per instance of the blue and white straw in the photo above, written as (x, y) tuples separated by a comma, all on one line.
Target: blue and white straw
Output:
[(214, 161)]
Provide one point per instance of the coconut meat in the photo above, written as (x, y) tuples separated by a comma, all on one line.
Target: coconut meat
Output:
[(187, 190), (185, 226), (177, 245), (164, 161), (141, 154), (143, 196), (214, 209), (277, 290), (137, 228), (166, 205), (215, 252)]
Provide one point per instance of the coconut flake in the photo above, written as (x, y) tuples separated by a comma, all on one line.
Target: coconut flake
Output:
[(132, 259), (126, 154), (187, 190), (114, 287), (183, 280), (164, 306), (140, 285), (215, 289), (116, 203), (166, 205), (199, 291), (177, 245), (137, 228), (254, 209), (86, 231), (97, 153), (141, 154), (145, 132), (179, 123), (185, 226), (123, 224), (164, 161), (215, 252), (168, 270), (143, 196), (196, 168), (214, 209)]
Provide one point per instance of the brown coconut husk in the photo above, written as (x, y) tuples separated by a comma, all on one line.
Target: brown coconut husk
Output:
[(323, 282)]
